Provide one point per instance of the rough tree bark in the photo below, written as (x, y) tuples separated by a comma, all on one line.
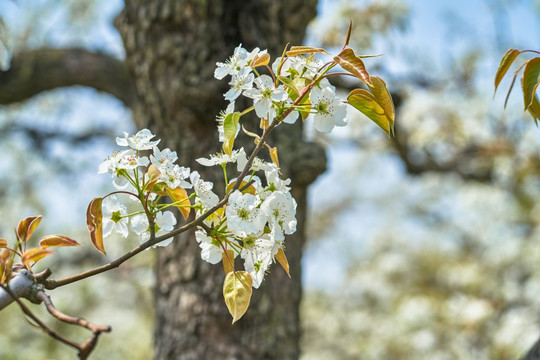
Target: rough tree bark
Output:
[(171, 50)]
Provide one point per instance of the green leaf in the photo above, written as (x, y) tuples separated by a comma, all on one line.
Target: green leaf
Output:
[(530, 81), (289, 84), (353, 64), (534, 109), (300, 50), (505, 64), (57, 240), (237, 293), (366, 103), (27, 226), (181, 199), (94, 223), (230, 124)]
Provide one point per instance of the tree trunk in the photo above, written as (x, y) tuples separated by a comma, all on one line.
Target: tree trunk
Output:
[(171, 49)]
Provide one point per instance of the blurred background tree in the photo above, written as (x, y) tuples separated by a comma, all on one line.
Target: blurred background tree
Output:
[(425, 247)]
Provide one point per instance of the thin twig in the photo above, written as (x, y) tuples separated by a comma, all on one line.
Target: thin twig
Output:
[(69, 319), (42, 325)]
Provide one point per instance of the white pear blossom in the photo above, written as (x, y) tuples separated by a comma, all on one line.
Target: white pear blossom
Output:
[(257, 164), (118, 163), (257, 253), (275, 183), (265, 95), (211, 250), (174, 176), (161, 157), (221, 158), (113, 220), (239, 83), (243, 214), (280, 209), (330, 111), (203, 189), (239, 60), (139, 141), (164, 223)]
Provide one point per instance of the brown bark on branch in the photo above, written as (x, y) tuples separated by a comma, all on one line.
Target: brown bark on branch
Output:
[(36, 71)]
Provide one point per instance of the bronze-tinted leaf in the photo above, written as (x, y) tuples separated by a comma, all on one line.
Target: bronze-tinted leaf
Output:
[(181, 200), (300, 50), (228, 261), (384, 99), (35, 254), (505, 64), (261, 60), (57, 240), (531, 80), (353, 64), (3, 243), (282, 260), (273, 154), (94, 223), (237, 293), (252, 134), (153, 175), (27, 226), (250, 189), (365, 102)]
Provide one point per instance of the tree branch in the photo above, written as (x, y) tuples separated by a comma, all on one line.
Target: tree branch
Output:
[(36, 71), (21, 285)]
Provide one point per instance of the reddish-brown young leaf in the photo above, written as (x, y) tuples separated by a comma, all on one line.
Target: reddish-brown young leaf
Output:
[(300, 50), (505, 64), (348, 37), (348, 60), (33, 255), (180, 197), (57, 240), (530, 81), (3, 243), (94, 223), (27, 226)]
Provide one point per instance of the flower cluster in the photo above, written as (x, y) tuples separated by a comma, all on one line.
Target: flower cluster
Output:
[(255, 220), (274, 96), (257, 209), (253, 224), (145, 179)]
